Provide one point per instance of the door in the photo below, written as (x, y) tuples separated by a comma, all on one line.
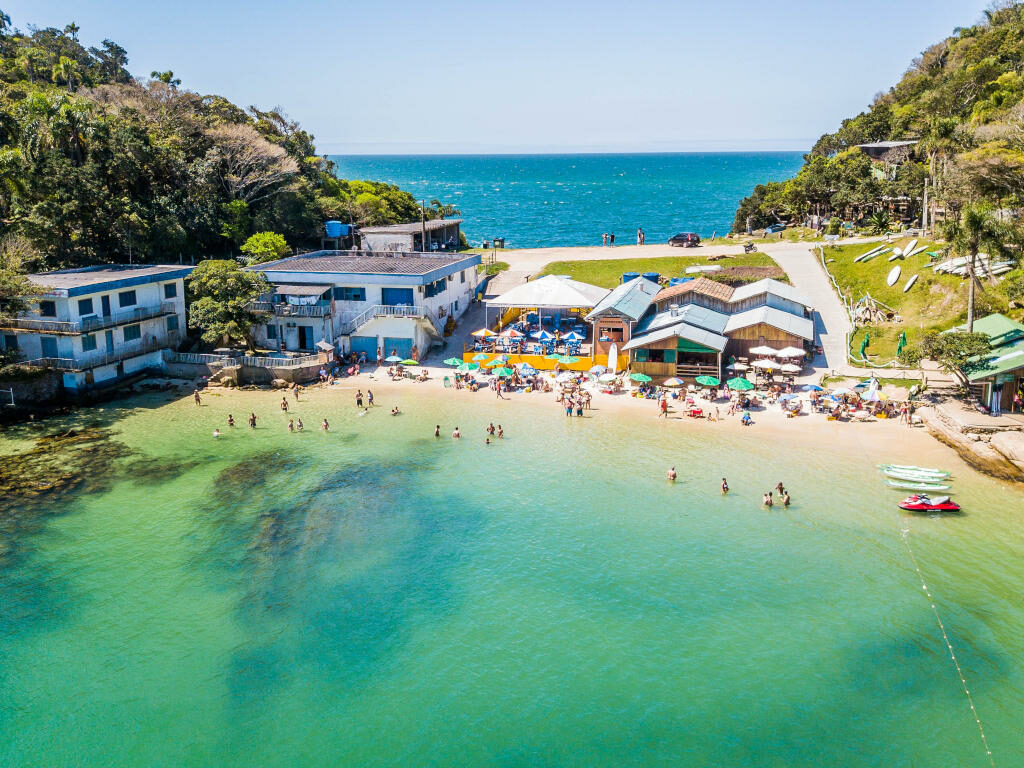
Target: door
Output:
[(366, 344), (109, 335), (305, 337), (49, 344), (397, 346), (397, 296), (105, 302)]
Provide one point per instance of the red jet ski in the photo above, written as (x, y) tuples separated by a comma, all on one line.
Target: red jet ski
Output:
[(922, 503)]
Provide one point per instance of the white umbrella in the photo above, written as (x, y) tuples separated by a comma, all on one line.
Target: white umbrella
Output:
[(764, 351), (790, 352), (738, 367), (607, 377), (484, 332), (790, 368), (764, 364)]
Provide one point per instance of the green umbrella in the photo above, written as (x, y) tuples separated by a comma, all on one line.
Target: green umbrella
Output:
[(453, 361), (502, 371), (468, 367), (865, 343), (552, 357), (480, 357), (740, 384), (410, 362), (708, 381), (901, 342), (495, 363), (643, 377), (567, 360)]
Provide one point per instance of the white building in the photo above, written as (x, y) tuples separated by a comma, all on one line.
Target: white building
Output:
[(431, 235), (98, 324), (363, 302)]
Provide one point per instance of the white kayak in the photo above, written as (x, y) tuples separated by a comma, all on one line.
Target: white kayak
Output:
[(912, 468), (910, 284), (894, 275)]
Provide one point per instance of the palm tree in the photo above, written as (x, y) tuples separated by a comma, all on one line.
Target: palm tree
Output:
[(72, 30), (442, 210), (65, 69), (167, 78), (977, 228)]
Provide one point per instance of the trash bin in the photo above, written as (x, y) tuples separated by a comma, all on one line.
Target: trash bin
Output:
[(499, 242)]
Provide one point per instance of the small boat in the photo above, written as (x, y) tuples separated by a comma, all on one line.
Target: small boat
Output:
[(909, 474), (910, 284), (914, 485), (912, 468), (894, 275), (922, 503)]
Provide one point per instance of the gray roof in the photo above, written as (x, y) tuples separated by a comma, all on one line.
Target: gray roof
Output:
[(692, 314), (770, 286), (784, 321), (409, 229), (684, 330), (72, 282), (349, 262), (630, 299)]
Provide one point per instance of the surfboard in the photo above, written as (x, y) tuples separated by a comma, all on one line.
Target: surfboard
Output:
[(896, 254), (868, 254), (910, 246), (919, 249), (894, 275), (910, 284), (613, 358)]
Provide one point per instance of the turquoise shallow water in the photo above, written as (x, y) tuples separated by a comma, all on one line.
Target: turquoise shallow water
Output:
[(378, 597), (560, 200)]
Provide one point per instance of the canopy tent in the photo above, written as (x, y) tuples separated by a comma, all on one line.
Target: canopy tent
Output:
[(550, 291)]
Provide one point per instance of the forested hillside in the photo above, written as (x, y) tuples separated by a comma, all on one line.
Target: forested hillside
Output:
[(97, 165), (961, 99)]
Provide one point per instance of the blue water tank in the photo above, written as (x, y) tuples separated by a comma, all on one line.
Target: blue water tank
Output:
[(653, 276), (678, 280), (627, 276), (333, 228)]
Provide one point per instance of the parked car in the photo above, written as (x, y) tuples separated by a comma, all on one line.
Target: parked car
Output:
[(774, 228), (685, 240)]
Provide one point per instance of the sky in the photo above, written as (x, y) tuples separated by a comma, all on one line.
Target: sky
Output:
[(444, 76)]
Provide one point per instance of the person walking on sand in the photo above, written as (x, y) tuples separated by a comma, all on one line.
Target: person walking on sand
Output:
[(664, 408), (380, 357), (671, 474), (497, 391), (369, 397)]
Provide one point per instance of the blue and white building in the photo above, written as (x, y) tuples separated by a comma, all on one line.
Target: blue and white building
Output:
[(99, 324), (359, 301)]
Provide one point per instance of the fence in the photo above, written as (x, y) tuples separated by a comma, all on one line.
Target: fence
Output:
[(279, 362), (353, 323), (198, 359), (88, 324)]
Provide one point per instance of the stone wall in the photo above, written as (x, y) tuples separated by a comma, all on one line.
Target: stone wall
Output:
[(44, 388), (999, 453)]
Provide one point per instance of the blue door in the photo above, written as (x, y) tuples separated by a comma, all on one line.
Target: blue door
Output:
[(397, 297), (400, 347), (49, 345), (105, 301), (305, 337), (365, 344), (109, 336)]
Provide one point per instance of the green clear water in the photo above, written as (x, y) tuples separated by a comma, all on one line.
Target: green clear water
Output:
[(378, 597)]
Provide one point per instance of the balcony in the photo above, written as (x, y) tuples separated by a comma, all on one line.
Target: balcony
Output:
[(89, 324), (320, 309), (121, 352), (354, 321)]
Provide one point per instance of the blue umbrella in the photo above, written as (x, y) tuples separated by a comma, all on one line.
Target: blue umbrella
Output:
[(480, 357), (598, 369), (788, 397), (542, 335), (393, 359), (573, 337), (811, 388)]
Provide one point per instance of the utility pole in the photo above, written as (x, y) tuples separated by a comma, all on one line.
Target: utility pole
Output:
[(423, 225), (924, 208)]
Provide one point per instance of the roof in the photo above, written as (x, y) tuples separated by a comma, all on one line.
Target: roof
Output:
[(358, 262), (999, 328), (74, 282), (300, 290), (1007, 358), (700, 285), (683, 330), (409, 229), (783, 290), (631, 299), (784, 321), (551, 291), (887, 144), (693, 314)]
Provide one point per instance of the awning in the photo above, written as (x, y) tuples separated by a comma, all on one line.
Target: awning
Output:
[(301, 290)]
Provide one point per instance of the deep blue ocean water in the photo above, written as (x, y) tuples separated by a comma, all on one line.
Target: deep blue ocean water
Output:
[(559, 200)]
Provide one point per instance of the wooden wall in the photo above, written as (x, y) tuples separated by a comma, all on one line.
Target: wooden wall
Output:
[(742, 340)]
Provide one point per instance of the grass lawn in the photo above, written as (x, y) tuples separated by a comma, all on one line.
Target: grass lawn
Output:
[(833, 381), (493, 268), (608, 273), (789, 235), (935, 302)]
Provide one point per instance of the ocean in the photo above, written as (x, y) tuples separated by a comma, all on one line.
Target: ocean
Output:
[(563, 200), (375, 596)]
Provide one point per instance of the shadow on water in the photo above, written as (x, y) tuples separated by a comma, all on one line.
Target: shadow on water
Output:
[(334, 574)]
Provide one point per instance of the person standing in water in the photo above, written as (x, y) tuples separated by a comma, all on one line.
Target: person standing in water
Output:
[(785, 499), (456, 434), (231, 420), (725, 485), (291, 425), (216, 432), (437, 431), (325, 426), (252, 420), (298, 425), (284, 404), (359, 398), (501, 432), (671, 474)]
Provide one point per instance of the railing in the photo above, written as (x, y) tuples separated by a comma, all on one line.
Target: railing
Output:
[(90, 324), (122, 352), (690, 371), (350, 324), (320, 309), (194, 358), (279, 362)]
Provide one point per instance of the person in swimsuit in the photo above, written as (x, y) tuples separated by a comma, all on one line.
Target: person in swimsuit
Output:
[(395, 411), (291, 425), (231, 420), (369, 397), (216, 432), (437, 431), (456, 434), (785, 499), (359, 398), (501, 432), (780, 488), (252, 420), (671, 474), (298, 425), (325, 426), (725, 485), (284, 404), (768, 501)]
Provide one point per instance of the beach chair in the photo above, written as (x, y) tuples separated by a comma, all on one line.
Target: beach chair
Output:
[(447, 382)]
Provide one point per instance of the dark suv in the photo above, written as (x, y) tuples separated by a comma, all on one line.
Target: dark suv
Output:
[(685, 240)]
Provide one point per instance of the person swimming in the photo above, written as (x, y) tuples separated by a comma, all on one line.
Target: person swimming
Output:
[(501, 432), (395, 411), (231, 420), (671, 474), (768, 500), (725, 485), (216, 432), (785, 499), (298, 425), (487, 441), (456, 434)]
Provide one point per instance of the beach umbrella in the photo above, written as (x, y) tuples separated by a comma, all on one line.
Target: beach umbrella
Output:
[(542, 335), (502, 358), (763, 350), (512, 333), (573, 336), (453, 361), (787, 398), (874, 396), (740, 384), (480, 357), (553, 356), (811, 388), (790, 368), (607, 377), (790, 352), (468, 367), (483, 332), (410, 362), (673, 382), (641, 377), (501, 372), (392, 359), (764, 364), (737, 366), (597, 370), (707, 381), (567, 376), (527, 369), (843, 391), (567, 360), (495, 363)]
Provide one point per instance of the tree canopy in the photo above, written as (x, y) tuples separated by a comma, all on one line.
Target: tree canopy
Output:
[(222, 293), (263, 247)]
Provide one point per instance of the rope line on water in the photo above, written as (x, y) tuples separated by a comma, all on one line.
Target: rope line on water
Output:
[(949, 646)]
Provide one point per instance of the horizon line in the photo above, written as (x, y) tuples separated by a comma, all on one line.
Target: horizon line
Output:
[(555, 153)]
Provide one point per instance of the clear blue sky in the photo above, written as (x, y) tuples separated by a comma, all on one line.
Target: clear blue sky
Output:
[(532, 76)]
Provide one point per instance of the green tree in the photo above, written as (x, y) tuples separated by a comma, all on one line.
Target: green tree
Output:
[(223, 293), (442, 210), (263, 247), (879, 222), (236, 220), (65, 70), (167, 78), (957, 352), (16, 256), (977, 228)]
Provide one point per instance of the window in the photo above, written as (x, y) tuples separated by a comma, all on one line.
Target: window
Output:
[(662, 355), (11, 341), (172, 322), (434, 288), (126, 299), (462, 276), (84, 307), (170, 290), (48, 308), (610, 332), (132, 332), (345, 293), (271, 331), (640, 355), (89, 342)]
